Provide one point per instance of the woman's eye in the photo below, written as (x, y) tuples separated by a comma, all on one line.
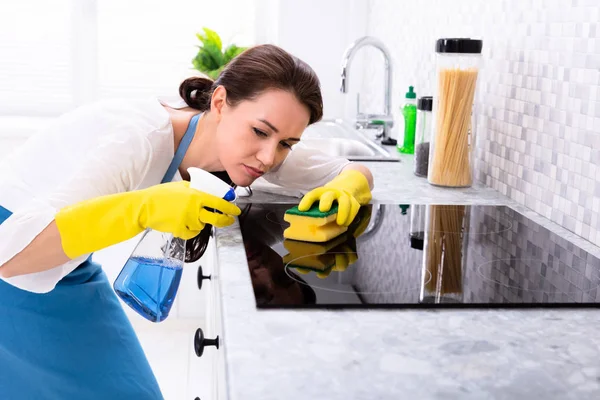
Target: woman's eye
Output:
[(259, 132)]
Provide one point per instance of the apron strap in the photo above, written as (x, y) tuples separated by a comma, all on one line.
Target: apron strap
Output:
[(4, 214), (181, 149)]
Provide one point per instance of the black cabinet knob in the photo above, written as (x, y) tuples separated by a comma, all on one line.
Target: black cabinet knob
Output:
[(201, 277), (200, 342)]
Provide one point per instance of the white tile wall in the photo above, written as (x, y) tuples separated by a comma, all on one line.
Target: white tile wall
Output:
[(538, 113)]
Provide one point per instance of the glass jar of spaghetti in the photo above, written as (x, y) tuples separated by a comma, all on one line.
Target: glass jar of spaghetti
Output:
[(451, 155)]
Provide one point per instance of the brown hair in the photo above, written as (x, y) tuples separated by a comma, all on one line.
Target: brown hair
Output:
[(254, 71), (251, 73)]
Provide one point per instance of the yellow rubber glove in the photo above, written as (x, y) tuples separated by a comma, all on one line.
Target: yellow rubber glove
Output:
[(173, 207), (344, 257), (321, 258), (350, 189), (338, 259)]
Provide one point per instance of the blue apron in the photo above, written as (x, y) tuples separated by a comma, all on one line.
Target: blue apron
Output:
[(74, 342)]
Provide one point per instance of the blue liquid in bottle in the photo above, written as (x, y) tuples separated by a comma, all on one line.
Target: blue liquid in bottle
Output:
[(149, 286)]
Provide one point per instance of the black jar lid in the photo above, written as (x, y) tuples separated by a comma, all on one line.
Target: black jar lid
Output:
[(425, 103), (459, 45)]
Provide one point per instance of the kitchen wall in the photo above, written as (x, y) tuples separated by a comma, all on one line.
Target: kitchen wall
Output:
[(318, 32), (538, 114)]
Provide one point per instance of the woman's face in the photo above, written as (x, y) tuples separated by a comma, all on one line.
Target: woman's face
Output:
[(256, 135)]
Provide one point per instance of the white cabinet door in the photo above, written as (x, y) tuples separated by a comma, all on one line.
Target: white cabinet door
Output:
[(214, 329), (219, 359), (202, 371), (190, 298)]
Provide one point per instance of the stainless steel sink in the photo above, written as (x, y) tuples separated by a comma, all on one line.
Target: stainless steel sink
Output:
[(337, 138)]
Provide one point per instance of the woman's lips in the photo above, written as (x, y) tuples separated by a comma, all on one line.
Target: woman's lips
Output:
[(256, 173)]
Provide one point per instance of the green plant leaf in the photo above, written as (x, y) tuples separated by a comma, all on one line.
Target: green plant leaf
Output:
[(210, 59), (231, 52), (210, 36), (202, 39), (200, 60), (215, 55), (203, 61), (199, 63)]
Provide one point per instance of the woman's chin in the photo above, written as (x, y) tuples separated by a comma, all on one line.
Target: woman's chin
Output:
[(242, 180)]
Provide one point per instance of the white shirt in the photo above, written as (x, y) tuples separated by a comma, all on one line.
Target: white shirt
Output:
[(108, 147)]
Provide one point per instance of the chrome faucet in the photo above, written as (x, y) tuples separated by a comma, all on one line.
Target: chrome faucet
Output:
[(372, 121)]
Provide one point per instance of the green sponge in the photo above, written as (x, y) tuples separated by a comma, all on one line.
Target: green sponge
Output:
[(313, 211)]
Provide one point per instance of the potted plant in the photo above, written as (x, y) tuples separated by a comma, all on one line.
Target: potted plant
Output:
[(211, 58)]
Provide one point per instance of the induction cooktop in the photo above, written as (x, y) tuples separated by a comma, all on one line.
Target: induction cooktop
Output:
[(418, 256)]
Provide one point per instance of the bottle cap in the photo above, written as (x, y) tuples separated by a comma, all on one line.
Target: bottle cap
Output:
[(417, 243), (411, 93), (208, 183), (459, 45), (425, 103)]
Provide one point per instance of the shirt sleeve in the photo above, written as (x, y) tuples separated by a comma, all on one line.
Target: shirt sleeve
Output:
[(115, 163), (306, 168)]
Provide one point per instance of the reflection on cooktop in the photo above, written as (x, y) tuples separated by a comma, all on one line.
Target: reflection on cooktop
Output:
[(406, 256), (341, 263)]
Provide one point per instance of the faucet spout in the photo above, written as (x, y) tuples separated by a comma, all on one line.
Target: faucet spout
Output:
[(347, 61)]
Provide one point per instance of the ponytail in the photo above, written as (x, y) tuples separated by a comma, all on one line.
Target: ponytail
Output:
[(197, 92)]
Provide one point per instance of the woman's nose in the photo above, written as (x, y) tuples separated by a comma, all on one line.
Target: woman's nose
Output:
[(267, 155)]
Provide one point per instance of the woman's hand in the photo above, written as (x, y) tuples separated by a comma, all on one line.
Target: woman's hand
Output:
[(350, 189), (176, 208)]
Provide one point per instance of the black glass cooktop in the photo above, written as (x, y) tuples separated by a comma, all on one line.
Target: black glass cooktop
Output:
[(407, 256)]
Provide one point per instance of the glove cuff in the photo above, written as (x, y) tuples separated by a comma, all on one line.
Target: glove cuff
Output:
[(354, 183)]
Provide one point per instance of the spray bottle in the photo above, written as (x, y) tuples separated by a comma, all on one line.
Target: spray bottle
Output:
[(149, 280)]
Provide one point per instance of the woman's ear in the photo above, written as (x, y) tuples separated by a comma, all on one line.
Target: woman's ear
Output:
[(218, 101)]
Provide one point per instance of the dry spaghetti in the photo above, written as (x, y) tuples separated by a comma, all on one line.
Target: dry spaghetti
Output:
[(451, 156)]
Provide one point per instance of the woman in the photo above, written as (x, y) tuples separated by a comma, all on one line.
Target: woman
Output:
[(92, 179)]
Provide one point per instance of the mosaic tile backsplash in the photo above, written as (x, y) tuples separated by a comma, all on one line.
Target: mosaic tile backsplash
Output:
[(538, 106), (504, 258), (530, 263)]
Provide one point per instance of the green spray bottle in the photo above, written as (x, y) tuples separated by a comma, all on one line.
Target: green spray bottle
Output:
[(409, 111)]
